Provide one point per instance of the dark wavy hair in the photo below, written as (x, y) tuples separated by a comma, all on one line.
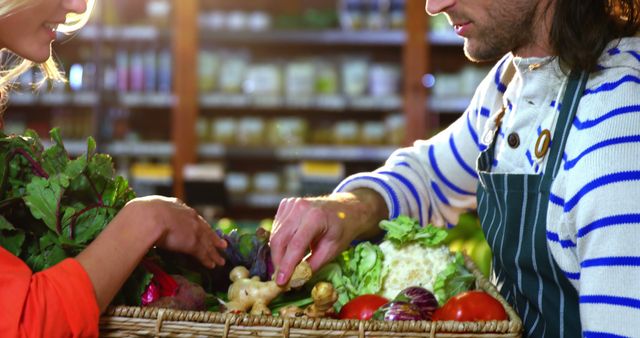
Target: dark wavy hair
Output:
[(581, 29)]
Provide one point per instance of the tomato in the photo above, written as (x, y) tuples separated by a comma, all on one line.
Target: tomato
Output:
[(471, 306), (362, 307)]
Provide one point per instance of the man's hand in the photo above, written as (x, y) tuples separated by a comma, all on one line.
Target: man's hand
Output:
[(324, 225)]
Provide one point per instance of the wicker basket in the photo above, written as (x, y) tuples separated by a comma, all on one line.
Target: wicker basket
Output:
[(154, 322)]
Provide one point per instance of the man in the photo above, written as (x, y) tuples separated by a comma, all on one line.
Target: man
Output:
[(547, 153)]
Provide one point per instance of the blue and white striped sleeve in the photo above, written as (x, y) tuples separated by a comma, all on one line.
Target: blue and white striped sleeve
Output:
[(594, 212), (434, 180)]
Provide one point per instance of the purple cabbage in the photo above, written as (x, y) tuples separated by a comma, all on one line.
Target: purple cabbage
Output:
[(250, 250)]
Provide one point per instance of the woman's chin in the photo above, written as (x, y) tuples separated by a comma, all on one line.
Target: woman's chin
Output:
[(37, 55)]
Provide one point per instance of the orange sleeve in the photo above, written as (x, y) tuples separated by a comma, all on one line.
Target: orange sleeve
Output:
[(57, 302)]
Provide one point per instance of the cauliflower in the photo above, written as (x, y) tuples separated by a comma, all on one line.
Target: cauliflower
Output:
[(411, 265)]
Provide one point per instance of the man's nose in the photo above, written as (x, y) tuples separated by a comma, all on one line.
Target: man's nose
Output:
[(434, 7)]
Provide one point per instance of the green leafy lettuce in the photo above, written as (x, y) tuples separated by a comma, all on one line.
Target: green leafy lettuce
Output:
[(404, 230), (455, 278)]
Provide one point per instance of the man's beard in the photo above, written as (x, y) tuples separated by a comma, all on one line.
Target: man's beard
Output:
[(507, 33)]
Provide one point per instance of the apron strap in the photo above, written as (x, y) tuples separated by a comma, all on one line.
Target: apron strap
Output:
[(571, 100)]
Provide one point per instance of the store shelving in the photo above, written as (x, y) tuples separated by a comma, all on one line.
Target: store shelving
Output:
[(178, 109), (396, 38)]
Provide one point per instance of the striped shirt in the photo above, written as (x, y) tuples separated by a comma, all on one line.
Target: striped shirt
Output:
[(593, 219)]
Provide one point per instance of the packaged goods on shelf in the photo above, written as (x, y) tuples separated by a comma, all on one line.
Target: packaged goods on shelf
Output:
[(203, 129), (266, 182), (395, 129), (251, 131), (289, 131), (384, 79), (326, 79), (259, 21), (346, 132), (461, 84), (372, 133), (209, 63), (158, 12), (377, 14), (371, 14), (237, 183), (224, 130), (263, 80), (233, 71), (355, 72), (352, 14), (397, 17), (300, 80)]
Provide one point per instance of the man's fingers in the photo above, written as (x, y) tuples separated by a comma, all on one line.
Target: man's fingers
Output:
[(283, 227), (321, 253), (296, 248)]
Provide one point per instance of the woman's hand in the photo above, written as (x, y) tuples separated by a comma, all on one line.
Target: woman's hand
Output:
[(324, 225), (141, 224), (184, 230)]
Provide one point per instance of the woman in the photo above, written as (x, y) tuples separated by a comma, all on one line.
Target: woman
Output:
[(66, 300)]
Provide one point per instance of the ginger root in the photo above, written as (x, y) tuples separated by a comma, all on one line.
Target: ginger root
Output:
[(291, 311), (324, 296), (250, 293)]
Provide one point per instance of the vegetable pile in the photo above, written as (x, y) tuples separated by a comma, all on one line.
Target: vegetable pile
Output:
[(52, 206), (410, 255)]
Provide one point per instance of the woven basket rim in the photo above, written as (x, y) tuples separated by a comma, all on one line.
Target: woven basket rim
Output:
[(159, 316)]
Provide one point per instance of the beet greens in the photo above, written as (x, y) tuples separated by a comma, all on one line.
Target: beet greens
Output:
[(52, 205)]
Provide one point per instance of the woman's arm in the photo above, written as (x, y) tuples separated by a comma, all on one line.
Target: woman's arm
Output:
[(143, 223)]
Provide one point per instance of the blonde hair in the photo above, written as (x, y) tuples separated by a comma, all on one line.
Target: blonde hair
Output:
[(13, 65)]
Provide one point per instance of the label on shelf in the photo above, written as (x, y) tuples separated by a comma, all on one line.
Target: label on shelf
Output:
[(322, 170), (149, 171), (209, 172)]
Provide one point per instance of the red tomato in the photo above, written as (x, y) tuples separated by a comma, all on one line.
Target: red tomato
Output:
[(362, 307), (471, 306)]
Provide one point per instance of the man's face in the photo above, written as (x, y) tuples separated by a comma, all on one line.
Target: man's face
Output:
[(491, 28)]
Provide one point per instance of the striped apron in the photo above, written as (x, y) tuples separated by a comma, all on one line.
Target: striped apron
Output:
[(513, 211)]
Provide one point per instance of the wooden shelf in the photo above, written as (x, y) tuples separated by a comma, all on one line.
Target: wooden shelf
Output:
[(393, 38), (137, 33), (80, 99), (333, 103), (308, 152), (329, 37)]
